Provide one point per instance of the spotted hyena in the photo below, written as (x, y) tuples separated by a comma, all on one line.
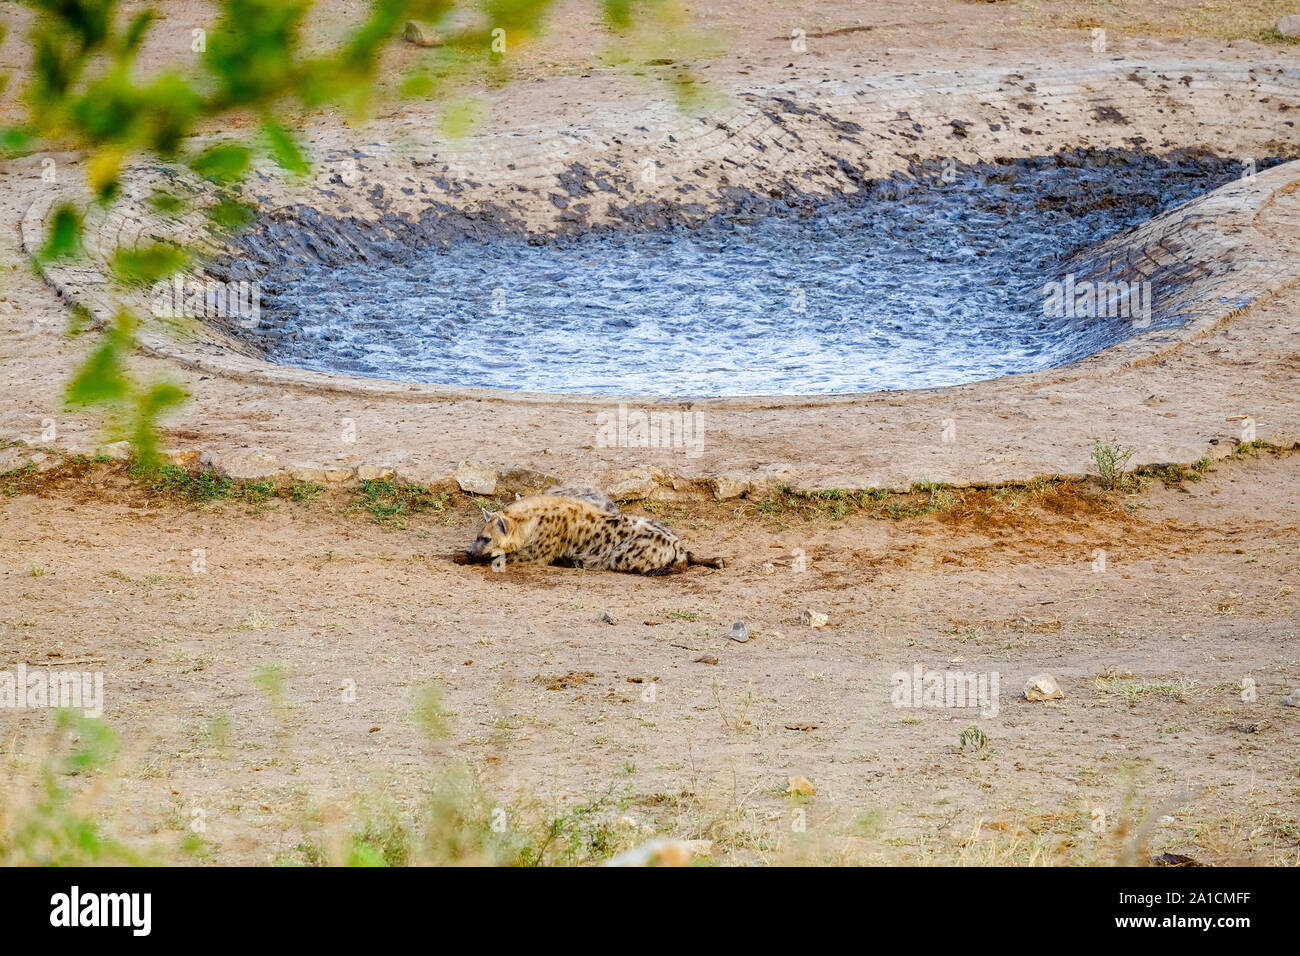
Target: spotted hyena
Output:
[(579, 527)]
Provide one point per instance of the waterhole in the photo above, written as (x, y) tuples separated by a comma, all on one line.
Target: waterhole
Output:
[(936, 278)]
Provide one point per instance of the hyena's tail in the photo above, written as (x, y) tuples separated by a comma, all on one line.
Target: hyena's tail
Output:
[(718, 563)]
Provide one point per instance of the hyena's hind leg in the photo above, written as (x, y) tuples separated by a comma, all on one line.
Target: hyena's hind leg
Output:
[(718, 563), (590, 495)]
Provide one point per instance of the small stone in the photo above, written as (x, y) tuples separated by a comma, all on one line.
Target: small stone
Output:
[(1043, 687), (187, 458), (421, 34), (246, 465), (308, 473), (339, 474), (813, 618), (374, 473), (739, 632), (726, 487), (706, 659), (1289, 25), (476, 479), (11, 458), (44, 462), (768, 568), (632, 486), (607, 618), (118, 450), (1292, 699)]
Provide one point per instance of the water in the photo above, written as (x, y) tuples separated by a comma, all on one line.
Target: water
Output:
[(923, 282)]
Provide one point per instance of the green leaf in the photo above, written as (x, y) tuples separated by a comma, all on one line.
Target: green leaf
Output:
[(14, 139), (136, 30), (152, 403), (145, 265), (223, 163), (102, 379), (168, 204), (459, 118), (283, 148), (64, 241), (230, 214), (417, 86)]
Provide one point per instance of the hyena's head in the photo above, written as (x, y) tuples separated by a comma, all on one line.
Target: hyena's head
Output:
[(494, 539)]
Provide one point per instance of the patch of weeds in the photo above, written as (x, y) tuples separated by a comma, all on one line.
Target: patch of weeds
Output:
[(428, 714), (868, 823), (255, 491), (381, 842), (256, 621), (44, 821), (1174, 475), (1134, 690), (271, 679), (1271, 35), (177, 482), (974, 736), (305, 490), (1253, 448), (685, 615), (387, 502), (1111, 460)]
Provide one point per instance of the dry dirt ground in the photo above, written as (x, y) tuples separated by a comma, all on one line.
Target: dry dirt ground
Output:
[(226, 681), (314, 680)]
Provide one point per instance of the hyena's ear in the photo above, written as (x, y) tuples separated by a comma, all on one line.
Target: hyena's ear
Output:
[(518, 496), (487, 515), (503, 524)]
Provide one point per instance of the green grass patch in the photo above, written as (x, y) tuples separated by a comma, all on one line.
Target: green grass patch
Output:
[(390, 503)]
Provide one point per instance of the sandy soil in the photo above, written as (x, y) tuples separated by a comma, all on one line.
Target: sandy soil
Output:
[(227, 685), (549, 703)]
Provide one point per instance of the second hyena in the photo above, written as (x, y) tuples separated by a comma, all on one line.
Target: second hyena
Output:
[(580, 527)]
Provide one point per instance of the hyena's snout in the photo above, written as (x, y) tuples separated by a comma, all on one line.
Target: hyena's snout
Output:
[(481, 549)]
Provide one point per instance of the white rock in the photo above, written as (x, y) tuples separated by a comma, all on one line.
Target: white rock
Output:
[(813, 618), (187, 458), (375, 473), (421, 34), (308, 473), (476, 479), (632, 486), (246, 465), (726, 487), (1289, 25), (16, 457), (1043, 687)]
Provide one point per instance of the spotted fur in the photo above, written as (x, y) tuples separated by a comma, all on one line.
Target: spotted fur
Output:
[(580, 528)]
